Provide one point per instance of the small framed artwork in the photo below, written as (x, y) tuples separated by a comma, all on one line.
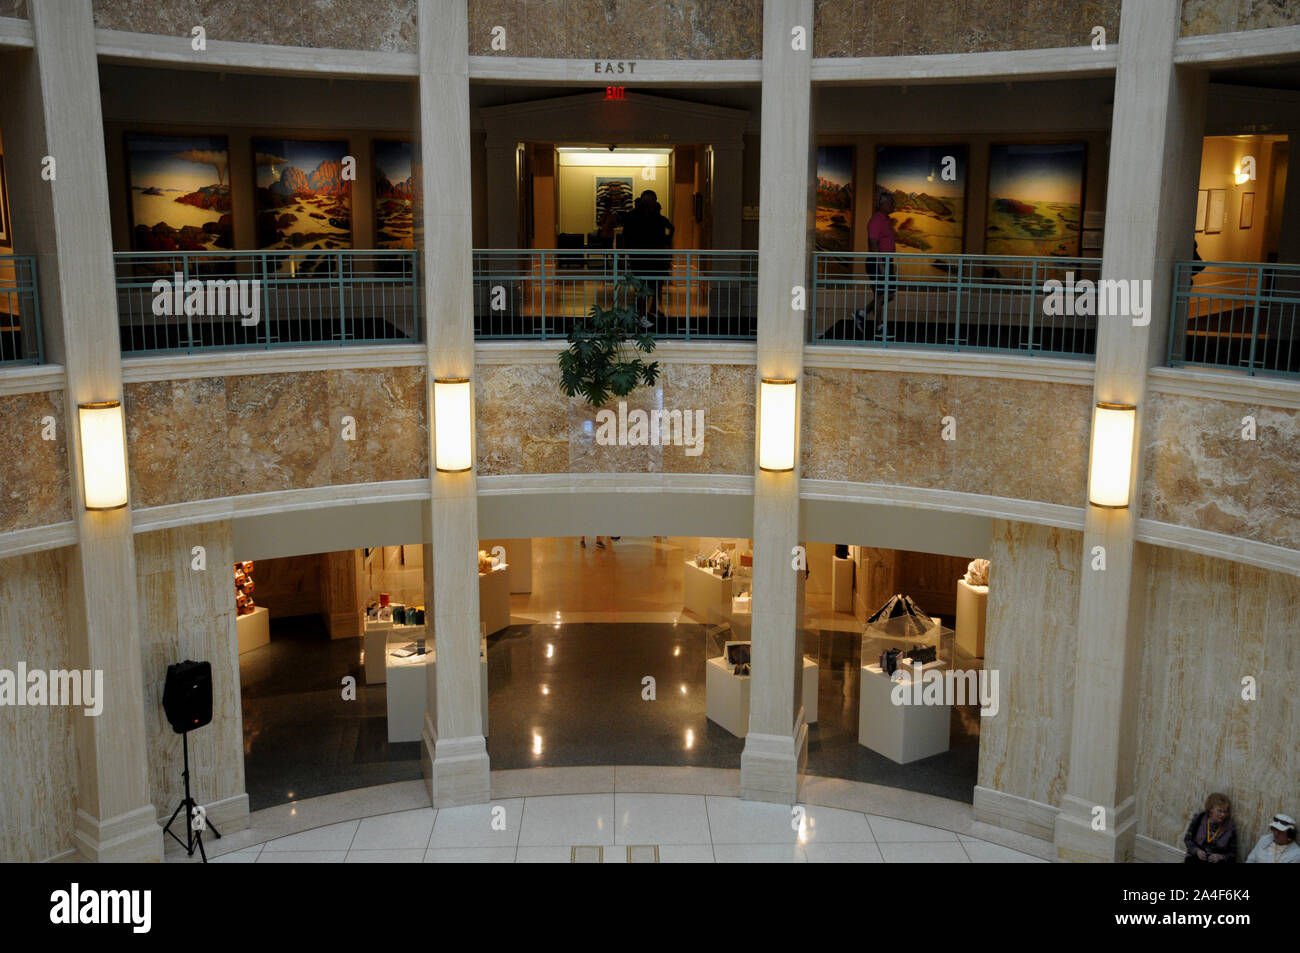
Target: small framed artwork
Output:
[(1093, 220), (1214, 211), (1092, 239), (5, 227), (1202, 199), (1247, 210)]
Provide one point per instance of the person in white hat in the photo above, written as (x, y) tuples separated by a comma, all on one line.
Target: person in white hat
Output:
[(1278, 846)]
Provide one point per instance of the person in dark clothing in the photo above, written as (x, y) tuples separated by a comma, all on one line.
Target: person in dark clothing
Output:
[(648, 228), (1211, 838)]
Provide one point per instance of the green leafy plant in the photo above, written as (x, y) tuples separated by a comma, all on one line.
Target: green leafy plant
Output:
[(602, 358)]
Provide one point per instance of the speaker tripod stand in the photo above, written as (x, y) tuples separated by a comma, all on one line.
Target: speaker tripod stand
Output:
[(193, 837)]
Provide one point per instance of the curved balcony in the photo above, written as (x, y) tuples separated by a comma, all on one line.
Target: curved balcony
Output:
[(1240, 315)]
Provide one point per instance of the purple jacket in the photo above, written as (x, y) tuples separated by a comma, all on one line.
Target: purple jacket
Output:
[(1197, 837)]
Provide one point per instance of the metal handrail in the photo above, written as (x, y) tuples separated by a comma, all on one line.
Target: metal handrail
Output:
[(540, 293), (1234, 314), (340, 297), (20, 312), (950, 302)]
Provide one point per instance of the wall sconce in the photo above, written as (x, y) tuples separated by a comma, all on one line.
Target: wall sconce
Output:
[(452, 443), (1112, 455), (776, 424), (103, 454)]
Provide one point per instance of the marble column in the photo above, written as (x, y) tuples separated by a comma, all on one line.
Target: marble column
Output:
[(776, 746), (455, 754), (1155, 157), (56, 106)]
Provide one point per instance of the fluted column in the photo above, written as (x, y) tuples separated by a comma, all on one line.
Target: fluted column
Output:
[(455, 756), (776, 746)]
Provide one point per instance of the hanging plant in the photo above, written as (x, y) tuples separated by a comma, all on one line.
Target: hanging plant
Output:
[(602, 358)]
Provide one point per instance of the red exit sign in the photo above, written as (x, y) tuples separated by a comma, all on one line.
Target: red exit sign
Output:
[(615, 93)]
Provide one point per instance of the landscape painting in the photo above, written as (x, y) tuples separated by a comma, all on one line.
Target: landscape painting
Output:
[(614, 193), (835, 199), (301, 199), (179, 192), (1035, 200), (929, 188), (394, 194)]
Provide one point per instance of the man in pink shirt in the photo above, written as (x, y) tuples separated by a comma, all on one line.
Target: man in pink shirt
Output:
[(880, 238)]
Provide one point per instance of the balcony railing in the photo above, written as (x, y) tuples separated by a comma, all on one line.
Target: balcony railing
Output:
[(20, 312), (1243, 315), (266, 299), (952, 302), (539, 293)]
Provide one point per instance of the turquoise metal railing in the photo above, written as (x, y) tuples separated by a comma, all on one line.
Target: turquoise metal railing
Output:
[(953, 302), (199, 301), (20, 311), (539, 293), (1243, 315)]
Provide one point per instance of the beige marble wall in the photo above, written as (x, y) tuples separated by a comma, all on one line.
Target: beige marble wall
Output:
[(620, 29), (910, 27), (1199, 472), (1032, 630), (387, 25), (190, 614), (213, 437), (1209, 624), (1019, 439), (38, 803), (34, 488), (526, 425), (1227, 16)]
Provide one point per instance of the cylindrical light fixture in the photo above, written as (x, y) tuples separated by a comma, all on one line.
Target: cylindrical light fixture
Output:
[(103, 454), (452, 443), (776, 424), (1112, 455)]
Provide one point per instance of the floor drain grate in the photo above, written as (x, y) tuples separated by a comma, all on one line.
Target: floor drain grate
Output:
[(643, 854), (587, 855)]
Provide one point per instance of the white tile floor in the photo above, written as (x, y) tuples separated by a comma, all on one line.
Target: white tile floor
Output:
[(687, 828)]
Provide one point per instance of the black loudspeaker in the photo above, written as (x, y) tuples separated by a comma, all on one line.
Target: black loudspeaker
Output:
[(187, 695)]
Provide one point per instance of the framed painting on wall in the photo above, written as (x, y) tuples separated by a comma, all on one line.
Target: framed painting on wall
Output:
[(1035, 199), (179, 192), (301, 199), (1214, 211), (394, 194), (928, 184), (1247, 217), (1202, 200), (835, 198), (614, 194)]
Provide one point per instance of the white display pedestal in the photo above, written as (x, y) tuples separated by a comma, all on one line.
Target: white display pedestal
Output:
[(706, 595), (742, 619), (726, 696), (409, 691), (972, 611), (375, 642), (494, 599), (253, 629), (842, 585), (902, 733)]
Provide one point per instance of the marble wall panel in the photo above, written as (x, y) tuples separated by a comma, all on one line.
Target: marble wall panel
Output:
[(526, 425), (1199, 472), (37, 807), (619, 29), (1209, 624), (34, 481), (383, 25), (1019, 439), (214, 437), (915, 27), (188, 614), (1201, 17), (1033, 619)]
